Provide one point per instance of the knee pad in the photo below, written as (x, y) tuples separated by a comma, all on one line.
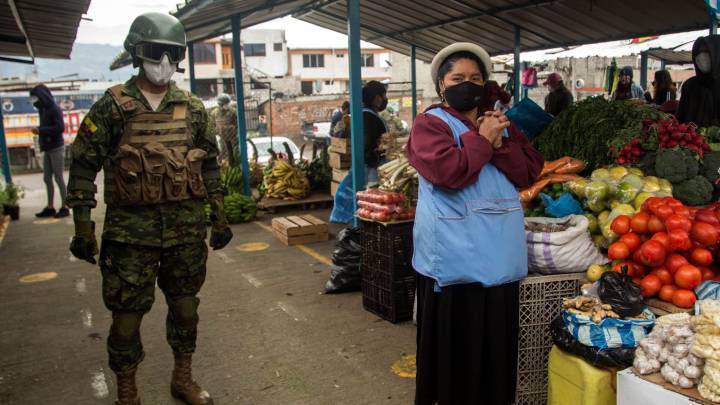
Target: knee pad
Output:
[(184, 310), (126, 327)]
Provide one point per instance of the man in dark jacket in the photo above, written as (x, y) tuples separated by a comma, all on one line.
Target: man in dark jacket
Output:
[(374, 95), (52, 145), (559, 97), (700, 96)]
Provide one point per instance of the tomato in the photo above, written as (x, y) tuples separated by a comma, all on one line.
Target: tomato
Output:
[(707, 273), (652, 253), (655, 224), (637, 280), (639, 222), (664, 275), (674, 262), (663, 238), (704, 233), (701, 257), (708, 216), (673, 203), (621, 225), (631, 240), (683, 212), (650, 285), (683, 298), (618, 250), (664, 211), (676, 221), (666, 292), (638, 270), (617, 268), (651, 204), (688, 276), (679, 240)]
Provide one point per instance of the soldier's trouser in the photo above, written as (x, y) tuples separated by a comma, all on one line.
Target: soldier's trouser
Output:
[(129, 274)]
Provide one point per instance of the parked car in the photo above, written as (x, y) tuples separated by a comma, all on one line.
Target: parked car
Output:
[(317, 131), (264, 143)]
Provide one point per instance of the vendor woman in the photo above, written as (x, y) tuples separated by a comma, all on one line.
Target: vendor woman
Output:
[(470, 250)]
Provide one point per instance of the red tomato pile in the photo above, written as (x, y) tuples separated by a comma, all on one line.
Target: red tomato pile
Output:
[(668, 248), (383, 206)]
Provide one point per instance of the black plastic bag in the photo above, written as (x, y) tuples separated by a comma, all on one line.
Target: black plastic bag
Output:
[(621, 293), (620, 358), (345, 270)]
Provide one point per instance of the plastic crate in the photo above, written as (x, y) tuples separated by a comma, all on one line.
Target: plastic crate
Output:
[(540, 302), (387, 276)]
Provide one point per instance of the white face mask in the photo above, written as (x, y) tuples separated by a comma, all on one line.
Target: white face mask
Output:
[(159, 74), (702, 60)]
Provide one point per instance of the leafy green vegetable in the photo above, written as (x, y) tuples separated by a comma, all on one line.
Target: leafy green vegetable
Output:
[(711, 164), (694, 192), (676, 165)]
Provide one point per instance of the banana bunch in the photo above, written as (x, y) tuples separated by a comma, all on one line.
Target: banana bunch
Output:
[(239, 208), (286, 181), (232, 179)]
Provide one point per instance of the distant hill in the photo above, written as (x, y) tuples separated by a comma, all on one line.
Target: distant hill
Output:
[(88, 61)]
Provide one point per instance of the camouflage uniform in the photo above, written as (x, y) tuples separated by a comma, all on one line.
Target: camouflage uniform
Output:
[(142, 243), (223, 121)]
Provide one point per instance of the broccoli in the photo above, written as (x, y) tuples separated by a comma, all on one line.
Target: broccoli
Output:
[(694, 192), (711, 164), (647, 164), (676, 165)]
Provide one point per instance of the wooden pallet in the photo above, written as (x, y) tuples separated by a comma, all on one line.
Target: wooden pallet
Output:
[(340, 145), (299, 230), (317, 199)]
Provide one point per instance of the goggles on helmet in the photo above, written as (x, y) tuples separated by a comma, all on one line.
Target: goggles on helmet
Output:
[(153, 52)]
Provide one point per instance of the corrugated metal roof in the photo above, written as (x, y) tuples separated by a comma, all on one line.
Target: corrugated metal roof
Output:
[(431, 25), (47, 28)]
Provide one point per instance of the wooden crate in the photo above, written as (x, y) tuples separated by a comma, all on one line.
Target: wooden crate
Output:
[(340, 145), (298, 230), (334, 188), (338, 175), (340, 161)]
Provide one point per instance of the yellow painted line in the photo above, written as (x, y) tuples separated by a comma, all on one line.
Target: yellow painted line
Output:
[(38, 277), (46, 221), (253, 247), (406, 367), (308, 251)]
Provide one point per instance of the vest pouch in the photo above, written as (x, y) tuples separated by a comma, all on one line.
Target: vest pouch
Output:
[(176, 176), (128, 181), (154, 158), (194, 161)]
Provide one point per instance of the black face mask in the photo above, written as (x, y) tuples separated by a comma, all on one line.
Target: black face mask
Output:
[(464, 96), (383, 105)]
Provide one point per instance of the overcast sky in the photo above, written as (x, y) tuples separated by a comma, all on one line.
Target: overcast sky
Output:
[(112, 19)]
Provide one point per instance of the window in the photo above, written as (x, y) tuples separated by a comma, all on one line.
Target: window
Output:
[(339, 55), (367, 60), (306, 87), (313, 61), (204, 53), (254, 49), (328, 82), (277, 47)]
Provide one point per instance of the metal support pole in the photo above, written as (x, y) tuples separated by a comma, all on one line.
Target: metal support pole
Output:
[(4, 151), (413, 80), (356, 113), (191, 67), (516, 89), (240, 98), (713, 22), (643, 69), (663, 64)]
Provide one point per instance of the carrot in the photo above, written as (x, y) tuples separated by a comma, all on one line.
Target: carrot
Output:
[(561, 178), (551, 167), (533, 191), (571, 167)]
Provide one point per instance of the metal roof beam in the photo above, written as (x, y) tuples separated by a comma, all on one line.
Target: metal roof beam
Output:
[(318, 5), (12, 39), (490, 13), (242, 15), (21, 27)]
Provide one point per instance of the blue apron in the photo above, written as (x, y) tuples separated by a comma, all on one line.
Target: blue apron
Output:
[(475, 234)]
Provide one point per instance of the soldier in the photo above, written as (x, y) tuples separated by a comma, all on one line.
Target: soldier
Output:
[(160, 164), (224, 120)]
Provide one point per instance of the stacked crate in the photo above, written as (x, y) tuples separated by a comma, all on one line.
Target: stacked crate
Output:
[(299, 230), (340, 161)]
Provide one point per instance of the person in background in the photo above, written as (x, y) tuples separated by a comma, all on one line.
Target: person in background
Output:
[(700, 95), (495, 98), (469, 238), (626, 87), (223, 122), (559, 97), (374, 96), (50, 136), (338, 116), (664, 92)]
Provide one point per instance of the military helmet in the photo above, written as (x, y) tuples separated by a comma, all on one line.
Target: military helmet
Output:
[(223, 99), (154, 34)]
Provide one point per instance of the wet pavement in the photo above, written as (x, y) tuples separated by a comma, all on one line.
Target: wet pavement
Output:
[(267, 334)]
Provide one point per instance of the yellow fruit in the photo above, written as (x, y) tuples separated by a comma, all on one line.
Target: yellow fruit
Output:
[(640, 199), (651, 187), (593, 225), (618, 172), (609, 235), (614, 204), (595, 271), (635, 170), (602, 218), (599, 241), (578, 187), (665, 186), (596, 206), (652, 179), (600, 174)]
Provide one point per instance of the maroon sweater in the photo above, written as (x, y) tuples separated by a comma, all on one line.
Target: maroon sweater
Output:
[(432, 151)]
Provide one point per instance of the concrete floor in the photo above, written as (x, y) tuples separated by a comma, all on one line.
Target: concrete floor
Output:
[(267, 335)]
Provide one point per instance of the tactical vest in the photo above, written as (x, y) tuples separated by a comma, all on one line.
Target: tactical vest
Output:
[(155, 161)]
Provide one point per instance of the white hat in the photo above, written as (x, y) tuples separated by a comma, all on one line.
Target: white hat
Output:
[(475, 49)]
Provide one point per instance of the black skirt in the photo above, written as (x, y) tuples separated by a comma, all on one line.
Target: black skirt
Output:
[(467, 344)]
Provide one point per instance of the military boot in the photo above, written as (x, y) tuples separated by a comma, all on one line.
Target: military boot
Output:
[(183, 387), (127, 391)]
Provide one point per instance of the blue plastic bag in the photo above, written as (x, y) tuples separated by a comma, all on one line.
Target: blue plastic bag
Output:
[(565, 205), (610, 333), (529, 118), (342, 212)]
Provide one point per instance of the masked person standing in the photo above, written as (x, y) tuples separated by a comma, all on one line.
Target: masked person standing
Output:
[(700, 95), (374, 96), (469, 238), (151, 139), (626, 87), (224, 120)]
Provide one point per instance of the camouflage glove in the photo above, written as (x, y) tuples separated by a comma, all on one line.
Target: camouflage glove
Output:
[(84, 245), (220, 235)]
